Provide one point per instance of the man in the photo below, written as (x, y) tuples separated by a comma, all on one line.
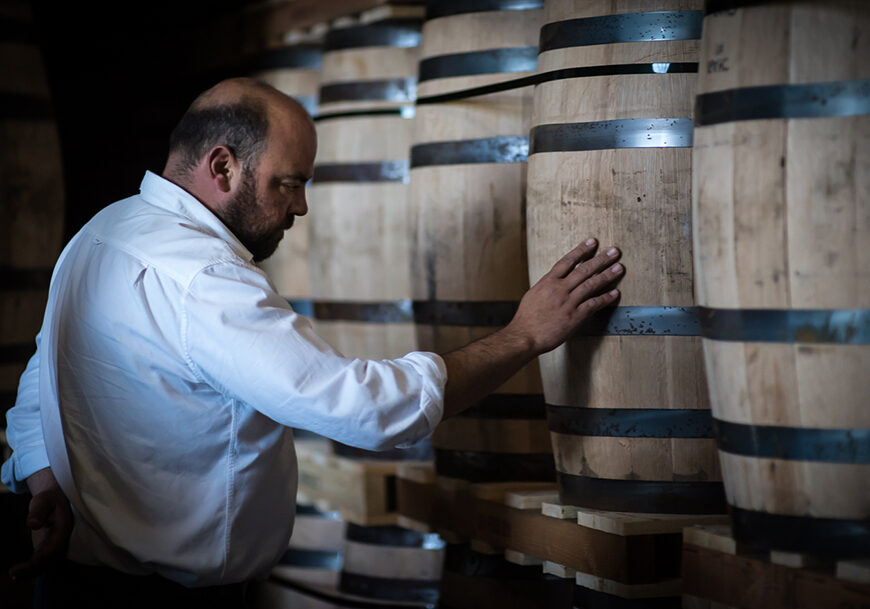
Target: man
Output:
[(168, 372)]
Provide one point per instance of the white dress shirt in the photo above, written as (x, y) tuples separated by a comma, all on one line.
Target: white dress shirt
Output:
[(167, 375)]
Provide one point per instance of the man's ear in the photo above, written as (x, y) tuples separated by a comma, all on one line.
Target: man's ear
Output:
[(223, 168)]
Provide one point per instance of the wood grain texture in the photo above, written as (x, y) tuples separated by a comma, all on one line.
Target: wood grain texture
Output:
[(752, 582), (638, 199), (782, 221)]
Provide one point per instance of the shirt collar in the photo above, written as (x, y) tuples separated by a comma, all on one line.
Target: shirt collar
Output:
[(162, 193)]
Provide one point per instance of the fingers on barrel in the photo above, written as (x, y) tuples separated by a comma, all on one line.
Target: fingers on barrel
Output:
[(569, 261)]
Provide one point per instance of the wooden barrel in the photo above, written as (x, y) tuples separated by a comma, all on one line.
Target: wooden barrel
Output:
[(314, 553), (31, 195), (360, 274), (782, 239), (295, 71), (474, 580), (468, 245), (610, 157), (390, 563)]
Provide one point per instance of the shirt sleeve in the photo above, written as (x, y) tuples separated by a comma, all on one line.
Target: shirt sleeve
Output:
[(244, 340), (24, 431)]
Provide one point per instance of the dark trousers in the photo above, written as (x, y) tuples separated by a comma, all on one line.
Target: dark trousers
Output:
[(74, 586)]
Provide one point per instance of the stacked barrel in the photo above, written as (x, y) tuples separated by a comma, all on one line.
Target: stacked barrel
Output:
[(610, 156), (359, 245), (295, 71), (782, 238), (468, 165)]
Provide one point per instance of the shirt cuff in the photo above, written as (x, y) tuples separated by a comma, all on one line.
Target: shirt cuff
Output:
[(433, 371), (19, 467)]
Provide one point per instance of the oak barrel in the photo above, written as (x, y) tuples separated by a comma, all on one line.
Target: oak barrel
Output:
[(467, 193), (360, 273), (782, 240), (31, 194), (295, 71), (610, 156), (314, 553), (391, 563)]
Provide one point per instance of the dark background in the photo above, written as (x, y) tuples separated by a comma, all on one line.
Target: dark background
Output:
[(120, 76)]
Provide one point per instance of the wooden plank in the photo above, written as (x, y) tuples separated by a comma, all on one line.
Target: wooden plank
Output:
[(671, 587), (716, 537), (555, 509), (627, 559), (530, 500), (552, 568), (801, 561), (753, 582), (362, 491), (857, 571), (424, 474), (518, 558), (623, 523)]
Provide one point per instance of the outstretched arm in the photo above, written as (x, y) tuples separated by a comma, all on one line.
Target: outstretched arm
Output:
[(577, 286)]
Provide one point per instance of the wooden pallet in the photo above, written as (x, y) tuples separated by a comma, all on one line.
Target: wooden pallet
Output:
[(529, 526), (720, 573), (362, 491)]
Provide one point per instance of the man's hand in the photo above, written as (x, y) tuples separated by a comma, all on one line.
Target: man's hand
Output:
[(576, 287), (51, 522)]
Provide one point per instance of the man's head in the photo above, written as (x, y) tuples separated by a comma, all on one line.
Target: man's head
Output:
[(246, 150)]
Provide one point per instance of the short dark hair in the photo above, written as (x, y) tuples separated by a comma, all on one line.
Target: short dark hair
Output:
[(241, 127)]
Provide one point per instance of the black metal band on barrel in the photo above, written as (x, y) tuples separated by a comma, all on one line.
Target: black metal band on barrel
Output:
[(794, 443), (403, 112), (563, 74), (447, 8), (816, 100), (495, 467), (626, 27), (387, 535), (501, 149), (387, 89), (398, 311), (842, 538), (587, 598), (12, 278), (400, 33), (390, 588), (630, 422), (382, 171), (833, 326), (31, 107), (608, 135), (461, 559), (306, 509), (311, 559), (303, 56), (473, 63), (464, 313), (508, 406), (641, 495), (643, 321), (16, 354)]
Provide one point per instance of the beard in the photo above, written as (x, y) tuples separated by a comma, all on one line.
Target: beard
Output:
[(243, 217)]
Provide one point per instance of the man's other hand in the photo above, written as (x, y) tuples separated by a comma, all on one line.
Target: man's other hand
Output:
[(50, 520)]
